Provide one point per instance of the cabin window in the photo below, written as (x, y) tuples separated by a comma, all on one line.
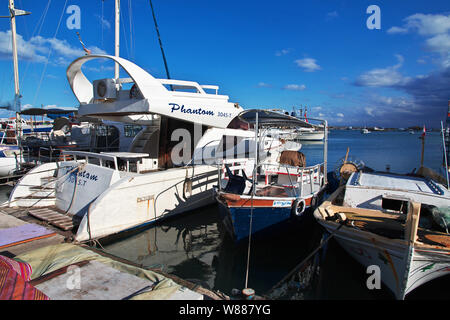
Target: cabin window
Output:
[(131, 130), (237, 123), (394, 204)]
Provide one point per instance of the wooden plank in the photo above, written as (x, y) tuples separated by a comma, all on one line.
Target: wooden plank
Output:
[(62, 226), (42, 213), (55, 218)]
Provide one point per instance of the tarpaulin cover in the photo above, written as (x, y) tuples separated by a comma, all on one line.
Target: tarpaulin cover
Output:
[(54, 257), (13, 281)]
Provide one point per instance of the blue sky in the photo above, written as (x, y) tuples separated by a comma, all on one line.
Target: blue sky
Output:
[(267, 54)]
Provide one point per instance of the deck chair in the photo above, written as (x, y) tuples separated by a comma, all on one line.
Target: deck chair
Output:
[(236, 184)]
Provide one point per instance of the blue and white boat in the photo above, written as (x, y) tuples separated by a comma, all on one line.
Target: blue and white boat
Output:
[(258, 196)]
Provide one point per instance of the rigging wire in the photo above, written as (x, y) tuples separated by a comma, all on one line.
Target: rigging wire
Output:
[(123, 30), (49, 53), (39, 25), (101, 22), (130, 18), (160, 43)]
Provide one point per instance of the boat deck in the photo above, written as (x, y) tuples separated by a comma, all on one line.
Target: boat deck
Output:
[(391, 181), (387, 224)]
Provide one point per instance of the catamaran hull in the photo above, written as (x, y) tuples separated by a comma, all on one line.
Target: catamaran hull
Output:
[(108, 204), (138, 201)]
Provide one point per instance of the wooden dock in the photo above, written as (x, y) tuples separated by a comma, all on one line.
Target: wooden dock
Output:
[(55, 217)]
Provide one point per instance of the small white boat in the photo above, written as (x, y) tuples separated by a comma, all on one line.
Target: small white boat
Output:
[(395, 222), (365, 131), (310, 134), (10, 157)]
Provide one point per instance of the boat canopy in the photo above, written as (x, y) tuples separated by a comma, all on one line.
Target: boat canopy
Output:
[(268, 118), (51, 113), (148, 95)]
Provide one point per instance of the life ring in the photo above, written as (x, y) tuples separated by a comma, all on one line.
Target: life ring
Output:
[(298, 208)]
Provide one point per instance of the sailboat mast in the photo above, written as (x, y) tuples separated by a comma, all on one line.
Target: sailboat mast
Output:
[(117, 38), (14, 49), (13, 13)]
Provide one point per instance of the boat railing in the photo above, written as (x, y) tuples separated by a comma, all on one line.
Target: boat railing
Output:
[(288, 176), (186, 85), (295, 177), (123, 161), (101, 158)]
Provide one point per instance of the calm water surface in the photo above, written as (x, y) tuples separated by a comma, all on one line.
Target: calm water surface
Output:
[(195, 247)]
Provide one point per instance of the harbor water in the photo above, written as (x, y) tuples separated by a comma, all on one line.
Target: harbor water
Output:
[(196, 247)]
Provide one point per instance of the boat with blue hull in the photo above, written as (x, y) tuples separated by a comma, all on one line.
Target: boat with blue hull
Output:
[(262, 196), (266, 220)]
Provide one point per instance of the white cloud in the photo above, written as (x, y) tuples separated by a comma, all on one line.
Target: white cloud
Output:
[(25, 50), (282, 52), (382, 77), (341, 115), (435, 27), (428, 24), (440, 44), (264, 85), (393, 30), (105, 23), (333, 14), (295, 87), (308, 64), (38, 48)]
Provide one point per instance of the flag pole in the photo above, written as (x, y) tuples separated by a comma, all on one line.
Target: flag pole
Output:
[(423, 145)]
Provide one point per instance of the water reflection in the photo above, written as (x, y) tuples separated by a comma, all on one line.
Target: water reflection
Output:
[(198, 248)]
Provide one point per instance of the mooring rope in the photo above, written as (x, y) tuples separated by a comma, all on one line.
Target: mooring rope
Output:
[(249, 241), (6, 204), (291, 273)]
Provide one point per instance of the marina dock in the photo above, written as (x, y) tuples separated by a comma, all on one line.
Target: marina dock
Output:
[(61, 270)]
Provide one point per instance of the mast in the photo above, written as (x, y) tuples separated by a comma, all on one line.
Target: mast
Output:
[(447, 135), (117, 38), (13, 13)]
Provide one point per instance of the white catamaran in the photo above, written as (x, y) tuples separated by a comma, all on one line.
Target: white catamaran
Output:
[(99, 194)]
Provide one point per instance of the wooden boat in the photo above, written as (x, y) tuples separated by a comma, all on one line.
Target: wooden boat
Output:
[(393, 222), (256, 199)]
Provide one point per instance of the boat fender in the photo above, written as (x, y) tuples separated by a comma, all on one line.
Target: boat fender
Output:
[(298, 208), (187, 187)]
